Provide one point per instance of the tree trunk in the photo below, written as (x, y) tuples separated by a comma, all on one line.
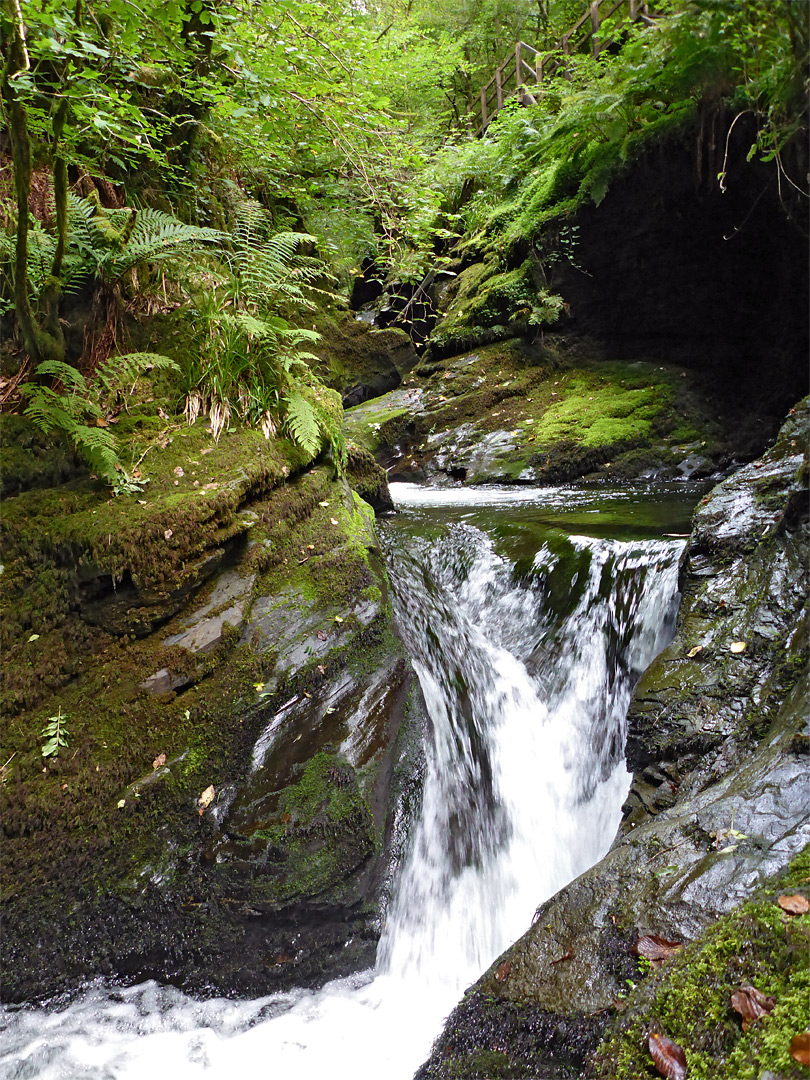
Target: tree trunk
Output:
[(40, 344)]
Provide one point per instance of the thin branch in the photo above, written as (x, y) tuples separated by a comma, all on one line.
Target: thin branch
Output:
[(21, 32)]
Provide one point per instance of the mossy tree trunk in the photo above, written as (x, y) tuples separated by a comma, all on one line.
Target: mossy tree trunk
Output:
[(45, 342)]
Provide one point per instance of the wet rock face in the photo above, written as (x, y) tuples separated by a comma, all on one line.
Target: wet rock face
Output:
[(718, 741), (242, 741), (361, 362), (678, 269)]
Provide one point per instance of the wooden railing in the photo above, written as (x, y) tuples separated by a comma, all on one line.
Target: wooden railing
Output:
[(522, 73)]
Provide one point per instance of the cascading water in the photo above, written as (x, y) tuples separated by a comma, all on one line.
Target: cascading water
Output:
[(527, 666)]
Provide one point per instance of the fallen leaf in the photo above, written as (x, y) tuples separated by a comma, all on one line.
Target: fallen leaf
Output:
[(693, 652), (751, 1003), (738, 646), (322, 636), (655, 948), (334, 521), (324, 503), (206, 798), (338, 619), (101, 422), (800, 1048), (503, 970), (259, 686), (321, 668), (179, 471), (209, 450), (159, 761), (669, 1058), (167, 534), (794, 905), (122, 803), (310, 547), (34, 637), (142, 502)]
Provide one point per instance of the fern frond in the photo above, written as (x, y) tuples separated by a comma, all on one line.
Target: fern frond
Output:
[(302, 423), (47, 410), (155, 236), (118, 373), (71, 379), (99, 448)]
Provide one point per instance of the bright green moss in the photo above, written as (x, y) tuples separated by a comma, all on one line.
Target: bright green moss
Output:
[(758, 945)]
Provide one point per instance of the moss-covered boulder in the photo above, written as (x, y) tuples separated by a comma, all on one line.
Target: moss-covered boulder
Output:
[(233, 704), (716, 818), (547, 413), (358, 360)]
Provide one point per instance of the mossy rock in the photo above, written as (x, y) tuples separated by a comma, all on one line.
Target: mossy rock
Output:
[(145, 643), (544, 413)]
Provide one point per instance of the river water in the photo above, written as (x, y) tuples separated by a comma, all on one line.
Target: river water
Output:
[(529, 615)]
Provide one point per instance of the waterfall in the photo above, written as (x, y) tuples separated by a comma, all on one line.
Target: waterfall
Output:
[(527, 664)]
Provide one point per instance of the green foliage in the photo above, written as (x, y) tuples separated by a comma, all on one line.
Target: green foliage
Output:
[(540, 161), (302, 422), (249, 360), (75, 408), (103, 246), (55, 734)]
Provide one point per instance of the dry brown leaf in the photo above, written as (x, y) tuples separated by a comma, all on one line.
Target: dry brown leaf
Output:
[(655, 948), (669, 1058), (159, 761), (206, 798), (794, 905), (101, 422), (322, 636), (503, 970), (751, 1003), (800, 1048)]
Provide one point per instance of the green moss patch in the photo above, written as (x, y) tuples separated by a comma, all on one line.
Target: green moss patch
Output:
[(321, 832), (756, 945)]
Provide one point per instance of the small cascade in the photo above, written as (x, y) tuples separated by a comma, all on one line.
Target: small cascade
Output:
[(527, 666)]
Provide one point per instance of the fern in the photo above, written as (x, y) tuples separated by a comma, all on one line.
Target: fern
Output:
[(302, 423), (155, 237), (73, 407), (119, 373)]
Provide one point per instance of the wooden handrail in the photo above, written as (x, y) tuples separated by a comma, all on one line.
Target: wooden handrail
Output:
[(529, 78)]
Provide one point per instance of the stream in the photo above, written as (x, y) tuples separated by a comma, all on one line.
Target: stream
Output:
[(529, 615)]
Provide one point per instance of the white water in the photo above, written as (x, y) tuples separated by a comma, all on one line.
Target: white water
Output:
[(523, 791)]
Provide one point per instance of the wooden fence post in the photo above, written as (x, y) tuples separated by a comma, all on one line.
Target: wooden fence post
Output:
[(595, 27), (633, 10), (518, 63), (483, 108), (499, 88)]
